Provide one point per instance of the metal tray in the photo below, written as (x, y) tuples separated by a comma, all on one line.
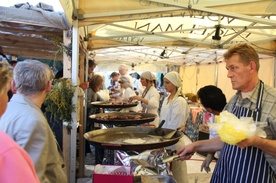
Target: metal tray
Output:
[(108, 104), (130, 138), (146, 117)]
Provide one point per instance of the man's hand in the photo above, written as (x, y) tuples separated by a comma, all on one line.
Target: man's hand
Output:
[(206, 163), (190, 148), (247, 142)]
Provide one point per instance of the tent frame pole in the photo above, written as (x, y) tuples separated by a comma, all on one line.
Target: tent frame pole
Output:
[(75, 63)]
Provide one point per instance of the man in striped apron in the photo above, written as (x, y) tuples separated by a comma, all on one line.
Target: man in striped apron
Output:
[(252, 160)]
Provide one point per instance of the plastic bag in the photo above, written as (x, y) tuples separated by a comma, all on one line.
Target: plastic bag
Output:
[(233, 130)]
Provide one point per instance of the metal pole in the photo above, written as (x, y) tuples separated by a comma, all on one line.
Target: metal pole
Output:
[(75, 63), (274, 83), (216, 70)]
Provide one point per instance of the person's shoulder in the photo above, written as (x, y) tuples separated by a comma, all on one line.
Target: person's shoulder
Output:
[(25, 117), (154, 90), (270, 90), (180, 101), (128, 89), (89, 90), (4, 137), (6, 142)]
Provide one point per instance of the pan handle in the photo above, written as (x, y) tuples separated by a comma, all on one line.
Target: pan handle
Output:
[(161, 124)]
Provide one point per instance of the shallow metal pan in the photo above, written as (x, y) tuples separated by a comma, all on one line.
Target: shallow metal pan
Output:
[(108, 104), (130, 138), (145, 118)]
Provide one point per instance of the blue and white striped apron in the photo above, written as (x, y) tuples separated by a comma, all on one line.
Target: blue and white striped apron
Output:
[(247, 165)]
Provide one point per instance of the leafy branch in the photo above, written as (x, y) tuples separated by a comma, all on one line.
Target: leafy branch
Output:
[(59, 101)]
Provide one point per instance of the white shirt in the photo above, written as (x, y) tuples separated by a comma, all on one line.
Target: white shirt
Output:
[(153, 103), (174, 113), (128, 92), (130, 79)]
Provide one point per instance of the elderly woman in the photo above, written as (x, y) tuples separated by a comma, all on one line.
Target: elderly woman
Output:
[(150, 97), (128, 92), (15, 163), (175, 112)]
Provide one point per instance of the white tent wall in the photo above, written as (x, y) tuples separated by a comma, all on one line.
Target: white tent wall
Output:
[(196, 76)]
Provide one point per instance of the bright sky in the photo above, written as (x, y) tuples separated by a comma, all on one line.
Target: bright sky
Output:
[(55, 3)]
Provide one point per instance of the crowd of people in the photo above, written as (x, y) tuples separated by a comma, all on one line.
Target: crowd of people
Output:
[(29, 149)]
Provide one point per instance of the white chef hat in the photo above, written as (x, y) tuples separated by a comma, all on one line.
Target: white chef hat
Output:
[(147, 75), (174, 78)]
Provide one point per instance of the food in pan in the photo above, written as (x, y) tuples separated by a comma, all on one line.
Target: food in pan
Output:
[(119, 103), (119, 117), (114, 103), (134, 141)]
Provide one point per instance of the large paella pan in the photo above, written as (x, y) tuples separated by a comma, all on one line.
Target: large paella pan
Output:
[(110, 104), (130, 138), (123, 118)]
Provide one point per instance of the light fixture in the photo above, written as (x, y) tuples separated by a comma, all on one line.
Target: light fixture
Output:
[(163, 54), (216, 38)]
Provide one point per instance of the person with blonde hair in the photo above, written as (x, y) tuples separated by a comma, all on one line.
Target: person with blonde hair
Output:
[(15, 164), (150, 97)]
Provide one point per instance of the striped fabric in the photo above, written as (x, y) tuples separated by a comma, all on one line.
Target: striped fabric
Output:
[(249, 165)]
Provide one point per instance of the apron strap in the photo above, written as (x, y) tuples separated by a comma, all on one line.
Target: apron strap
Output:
[(258, 109)]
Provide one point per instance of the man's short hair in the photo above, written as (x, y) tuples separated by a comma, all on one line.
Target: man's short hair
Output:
[(246, 52), (212, 97), (31, 76)]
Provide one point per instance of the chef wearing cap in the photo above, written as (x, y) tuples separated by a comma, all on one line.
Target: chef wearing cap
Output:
[(150, 97), (175, 112)]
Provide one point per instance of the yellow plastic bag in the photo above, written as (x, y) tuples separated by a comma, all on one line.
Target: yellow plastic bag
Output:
[(233, 130)]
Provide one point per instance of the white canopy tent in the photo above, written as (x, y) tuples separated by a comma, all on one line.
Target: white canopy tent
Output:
[(148, 34), (161, 33), (184, 33)]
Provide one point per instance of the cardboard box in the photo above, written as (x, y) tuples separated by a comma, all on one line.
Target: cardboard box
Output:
[(113, 174)]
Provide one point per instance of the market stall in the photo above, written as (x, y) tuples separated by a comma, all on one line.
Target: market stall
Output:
[(188, 36)]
